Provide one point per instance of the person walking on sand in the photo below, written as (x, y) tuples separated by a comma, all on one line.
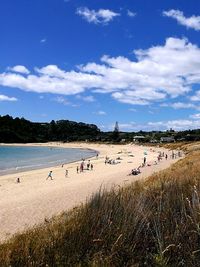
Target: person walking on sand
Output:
[(88, 165), (81, 167), (145, 159), (91, 167), (77, 169), (66, 173), (49, 176), (18, 180)]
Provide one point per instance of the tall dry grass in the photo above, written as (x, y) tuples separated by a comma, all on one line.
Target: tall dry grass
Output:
[(151, 223)]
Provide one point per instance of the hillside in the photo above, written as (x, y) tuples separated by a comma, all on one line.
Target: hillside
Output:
[(24, 131)]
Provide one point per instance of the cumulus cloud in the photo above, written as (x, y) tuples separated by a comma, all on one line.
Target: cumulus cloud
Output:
[(62, 100), (19, 69), (132, 109), (7, 98), (131, 13), (158, 73), (196, 97), (43, 40), (89, 98), (177, 125), (192, 22), (126, 126), (100, 112), (102, 16), (195, 116), (181, 105)]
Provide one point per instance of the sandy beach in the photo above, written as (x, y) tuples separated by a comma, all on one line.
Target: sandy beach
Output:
[(35, 199)]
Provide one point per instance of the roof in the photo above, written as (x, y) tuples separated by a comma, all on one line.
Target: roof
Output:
[(167, 138)]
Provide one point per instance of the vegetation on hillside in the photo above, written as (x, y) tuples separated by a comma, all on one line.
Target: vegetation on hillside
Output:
[(23, 131), (150, 223), (16, 130)]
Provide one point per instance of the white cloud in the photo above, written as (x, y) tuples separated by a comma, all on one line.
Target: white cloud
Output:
[(88, 98), (19, 69), (181, 105), (132, 109), (196, 97), (100, 112), (177, 125), (72, 83), (7, 98), (43, 40), (195, 116), (157, 74), (43, 115), (126, 126), (191, 22), (131, 13), (128, 97), (102, 16), (62, 100)]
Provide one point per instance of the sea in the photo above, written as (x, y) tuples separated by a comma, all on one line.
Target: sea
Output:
[(15, 159)]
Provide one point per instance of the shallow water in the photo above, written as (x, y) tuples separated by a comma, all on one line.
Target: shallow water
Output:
[(21, 158)]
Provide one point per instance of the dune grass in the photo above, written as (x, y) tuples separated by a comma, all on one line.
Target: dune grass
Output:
[(150, 223)]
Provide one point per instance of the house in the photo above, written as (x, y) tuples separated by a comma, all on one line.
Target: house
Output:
[(138, 138), (167, 139), (153, 141)]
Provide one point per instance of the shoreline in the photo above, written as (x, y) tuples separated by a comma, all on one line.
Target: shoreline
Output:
[(23, 169), (34, 199)]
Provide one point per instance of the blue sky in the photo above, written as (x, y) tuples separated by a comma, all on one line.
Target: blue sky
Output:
[(135, 62)]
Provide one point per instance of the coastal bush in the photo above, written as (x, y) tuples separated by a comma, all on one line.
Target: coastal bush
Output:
[(151, 223)]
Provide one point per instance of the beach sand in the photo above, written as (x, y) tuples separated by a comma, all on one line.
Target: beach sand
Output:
[(34, 199)]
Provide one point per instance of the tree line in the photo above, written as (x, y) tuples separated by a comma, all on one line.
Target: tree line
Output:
[(20, 130)]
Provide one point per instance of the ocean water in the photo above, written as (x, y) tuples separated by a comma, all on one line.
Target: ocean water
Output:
[(21, 158)]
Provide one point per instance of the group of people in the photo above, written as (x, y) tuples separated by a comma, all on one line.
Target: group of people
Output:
[(137, 171), (112, 161), (175, 155), (89, 166), (79, 169), (160, 156), (50, 176)]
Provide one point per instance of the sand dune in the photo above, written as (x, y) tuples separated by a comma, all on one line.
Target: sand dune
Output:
[(25, 204)]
